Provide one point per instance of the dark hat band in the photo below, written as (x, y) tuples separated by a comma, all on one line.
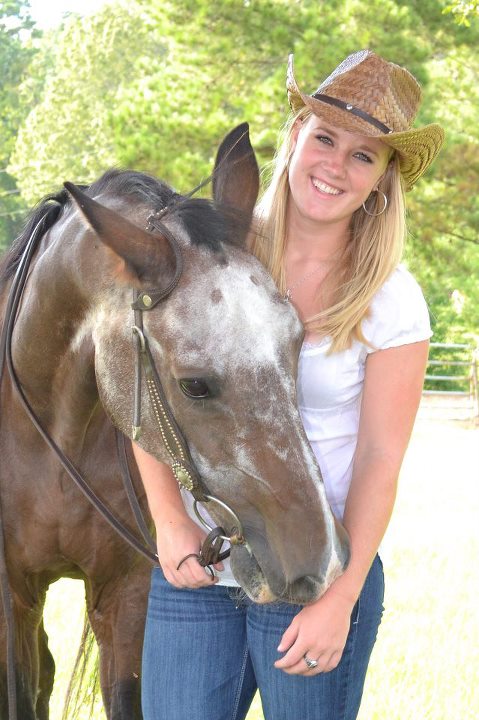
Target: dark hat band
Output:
[(353, 111)]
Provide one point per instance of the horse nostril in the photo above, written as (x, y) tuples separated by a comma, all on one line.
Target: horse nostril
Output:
[(306, 589)]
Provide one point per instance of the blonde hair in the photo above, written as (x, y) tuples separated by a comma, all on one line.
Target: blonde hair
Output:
[(373, 252)]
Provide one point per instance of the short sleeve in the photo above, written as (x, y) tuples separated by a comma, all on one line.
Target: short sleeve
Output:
[(398, 314)]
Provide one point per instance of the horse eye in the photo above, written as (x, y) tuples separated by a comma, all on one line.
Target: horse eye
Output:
[(195, 388)]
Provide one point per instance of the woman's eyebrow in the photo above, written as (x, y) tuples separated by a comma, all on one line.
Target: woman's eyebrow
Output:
[(325, 129), (330, 131), (369, 149)]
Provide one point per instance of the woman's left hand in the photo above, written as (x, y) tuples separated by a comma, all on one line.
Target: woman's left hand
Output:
[(319, 631)]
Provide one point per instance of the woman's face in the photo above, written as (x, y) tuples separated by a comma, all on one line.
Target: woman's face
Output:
[(332, 172)]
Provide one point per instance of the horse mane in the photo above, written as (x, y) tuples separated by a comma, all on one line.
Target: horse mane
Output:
[(207, 223), (140, 186), (47, 213)]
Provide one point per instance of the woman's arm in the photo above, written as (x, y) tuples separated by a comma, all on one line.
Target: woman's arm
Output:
[(391, 395), (177, 535)]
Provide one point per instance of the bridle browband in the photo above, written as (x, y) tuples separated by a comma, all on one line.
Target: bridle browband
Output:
[(180, 459)]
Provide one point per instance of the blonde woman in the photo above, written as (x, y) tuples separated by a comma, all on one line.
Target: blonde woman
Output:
[(330, 229)]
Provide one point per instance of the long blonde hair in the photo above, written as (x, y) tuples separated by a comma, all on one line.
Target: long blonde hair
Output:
[(373, 252)]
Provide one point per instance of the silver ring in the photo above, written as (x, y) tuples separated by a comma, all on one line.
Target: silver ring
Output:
[(213, 500), (310, 663)]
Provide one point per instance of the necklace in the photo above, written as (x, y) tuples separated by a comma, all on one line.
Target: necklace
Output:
[(302, 279)]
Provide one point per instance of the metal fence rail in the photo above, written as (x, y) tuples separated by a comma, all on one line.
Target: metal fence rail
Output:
[(454, 389)]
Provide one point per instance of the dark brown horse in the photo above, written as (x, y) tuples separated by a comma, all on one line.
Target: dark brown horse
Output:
[(224, 329)]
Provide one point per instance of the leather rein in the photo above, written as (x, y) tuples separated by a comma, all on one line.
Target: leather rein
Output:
[(181, 462)]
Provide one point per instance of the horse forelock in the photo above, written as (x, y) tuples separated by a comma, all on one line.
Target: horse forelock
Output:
[(211, 225)]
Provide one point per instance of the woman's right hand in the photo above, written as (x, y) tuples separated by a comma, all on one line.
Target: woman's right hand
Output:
[(178, 537)]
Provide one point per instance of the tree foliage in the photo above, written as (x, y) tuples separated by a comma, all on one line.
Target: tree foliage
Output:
[(155, 84), (14, 59), (463, 11)]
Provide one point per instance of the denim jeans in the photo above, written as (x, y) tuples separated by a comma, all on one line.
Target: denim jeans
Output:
[(206, 652)]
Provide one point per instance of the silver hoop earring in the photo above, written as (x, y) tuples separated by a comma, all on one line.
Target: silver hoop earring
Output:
[(385, 200)]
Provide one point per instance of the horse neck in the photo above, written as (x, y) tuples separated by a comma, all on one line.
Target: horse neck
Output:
[(54, 368)]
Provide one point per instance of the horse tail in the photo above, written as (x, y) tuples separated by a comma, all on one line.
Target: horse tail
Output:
[(84, 686)]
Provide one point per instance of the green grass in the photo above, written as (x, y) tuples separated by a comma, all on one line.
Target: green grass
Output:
[(64, 615), (425, 663)]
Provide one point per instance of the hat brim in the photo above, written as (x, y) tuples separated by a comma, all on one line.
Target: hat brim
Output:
[(416, 147)]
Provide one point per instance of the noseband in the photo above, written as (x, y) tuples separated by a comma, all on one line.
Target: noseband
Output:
[(181, 463)]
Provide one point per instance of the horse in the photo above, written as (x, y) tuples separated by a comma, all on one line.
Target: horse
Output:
[(224, 344)]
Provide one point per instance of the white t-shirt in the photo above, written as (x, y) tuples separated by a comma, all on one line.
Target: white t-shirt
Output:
[(330, 386)]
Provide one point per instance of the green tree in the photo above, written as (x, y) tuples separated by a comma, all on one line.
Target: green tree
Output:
[(67, 134), (14, 58), (463, 11), (155, 84)]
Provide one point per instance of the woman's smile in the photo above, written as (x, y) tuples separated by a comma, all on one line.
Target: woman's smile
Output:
[(325, 188)]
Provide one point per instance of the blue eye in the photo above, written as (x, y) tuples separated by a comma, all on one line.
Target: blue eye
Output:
[(363, 157), (324, 139)]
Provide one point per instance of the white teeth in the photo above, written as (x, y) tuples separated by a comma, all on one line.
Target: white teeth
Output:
[(326, 188)]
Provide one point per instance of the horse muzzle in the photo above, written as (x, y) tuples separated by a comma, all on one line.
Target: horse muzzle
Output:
[(265, 588)]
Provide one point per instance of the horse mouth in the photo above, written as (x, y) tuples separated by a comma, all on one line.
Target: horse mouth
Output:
[(250, 576), (262, 590)]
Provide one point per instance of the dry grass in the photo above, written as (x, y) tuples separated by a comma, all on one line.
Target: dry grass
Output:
[(425, 664)]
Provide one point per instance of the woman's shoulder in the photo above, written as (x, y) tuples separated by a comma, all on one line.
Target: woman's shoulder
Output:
[(398, 313), (402, 286)]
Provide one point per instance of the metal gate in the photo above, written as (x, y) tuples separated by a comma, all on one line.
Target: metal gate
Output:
[(451, 382)]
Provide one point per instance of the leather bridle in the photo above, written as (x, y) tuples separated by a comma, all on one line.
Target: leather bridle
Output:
[(175, 444)]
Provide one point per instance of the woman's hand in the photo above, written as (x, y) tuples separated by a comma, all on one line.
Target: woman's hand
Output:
[(319, 631), (178, 537)]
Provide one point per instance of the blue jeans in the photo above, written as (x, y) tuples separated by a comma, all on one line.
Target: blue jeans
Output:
[(206, 652)]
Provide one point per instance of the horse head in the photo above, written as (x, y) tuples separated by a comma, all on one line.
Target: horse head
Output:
[(225, 345)]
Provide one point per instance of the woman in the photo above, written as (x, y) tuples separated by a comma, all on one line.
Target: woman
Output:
[(331, 229)]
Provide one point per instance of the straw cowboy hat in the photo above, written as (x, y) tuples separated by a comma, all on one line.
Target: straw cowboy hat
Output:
[(370, 96)]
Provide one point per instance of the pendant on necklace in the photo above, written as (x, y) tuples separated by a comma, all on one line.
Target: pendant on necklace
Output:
[(300, 281)]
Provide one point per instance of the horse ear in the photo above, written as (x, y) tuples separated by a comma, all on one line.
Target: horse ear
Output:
[(236, 174), (142, 257)]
